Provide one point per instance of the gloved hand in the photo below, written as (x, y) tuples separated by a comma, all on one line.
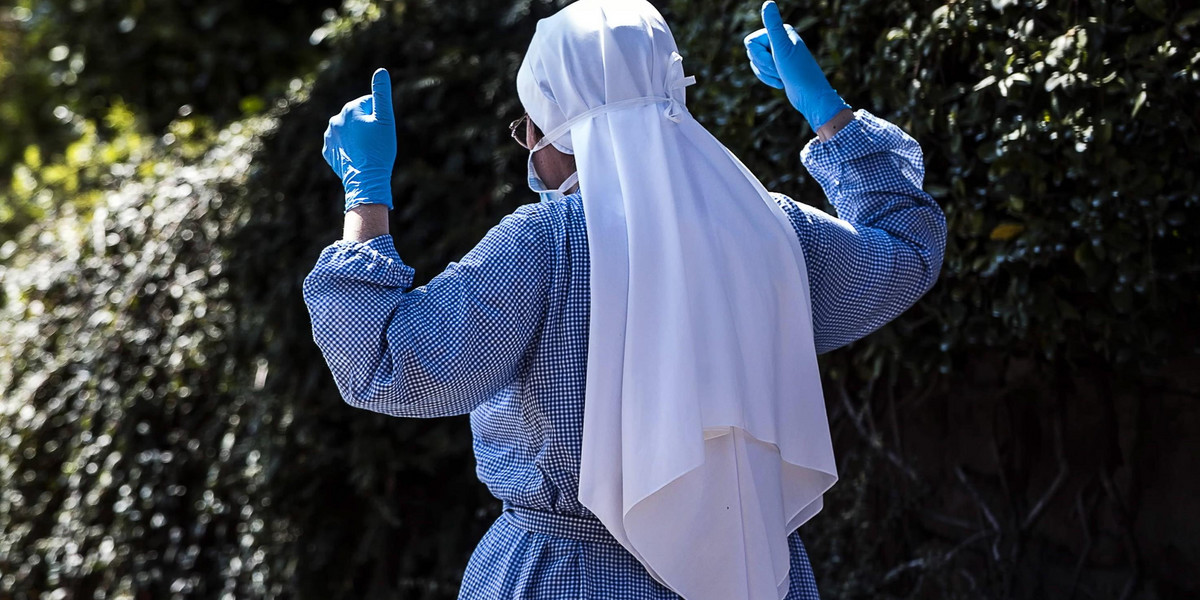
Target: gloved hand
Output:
[(360, 145), (781, 60)]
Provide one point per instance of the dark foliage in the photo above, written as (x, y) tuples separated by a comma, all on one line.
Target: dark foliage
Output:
[(167, 427), (163, 58)]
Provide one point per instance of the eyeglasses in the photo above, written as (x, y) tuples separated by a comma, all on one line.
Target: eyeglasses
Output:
[(519, 128)]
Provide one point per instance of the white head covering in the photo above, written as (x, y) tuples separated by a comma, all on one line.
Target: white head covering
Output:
[(705, 439)]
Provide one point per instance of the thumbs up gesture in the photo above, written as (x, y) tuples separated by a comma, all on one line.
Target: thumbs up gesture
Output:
[(360, 145), (781, 60)]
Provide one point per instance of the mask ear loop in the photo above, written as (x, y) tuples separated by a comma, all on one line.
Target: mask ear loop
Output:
[(540, 187), (568, 183)]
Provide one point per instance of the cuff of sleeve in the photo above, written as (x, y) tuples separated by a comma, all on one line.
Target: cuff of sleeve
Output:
[(866, 134), (373, 261)]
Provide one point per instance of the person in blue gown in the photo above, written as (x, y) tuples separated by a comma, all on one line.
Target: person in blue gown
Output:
[(502, 334)]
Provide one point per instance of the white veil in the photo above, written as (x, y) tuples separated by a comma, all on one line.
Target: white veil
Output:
[(705, 439)]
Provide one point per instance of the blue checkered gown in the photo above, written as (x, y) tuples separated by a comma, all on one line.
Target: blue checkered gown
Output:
[(502, 334)]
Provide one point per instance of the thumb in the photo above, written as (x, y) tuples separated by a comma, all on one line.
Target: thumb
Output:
[(780, 42), (381, 94)]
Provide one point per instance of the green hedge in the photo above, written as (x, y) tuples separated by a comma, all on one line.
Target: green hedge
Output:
[(168, 428)]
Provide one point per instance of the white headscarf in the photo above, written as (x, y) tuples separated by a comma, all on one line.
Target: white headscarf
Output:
[(705, 439)]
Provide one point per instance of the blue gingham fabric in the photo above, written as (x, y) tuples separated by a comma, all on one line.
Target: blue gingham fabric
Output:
[(502, 334)]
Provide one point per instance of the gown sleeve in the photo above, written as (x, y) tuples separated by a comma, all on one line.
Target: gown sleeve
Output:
[(440, 349), (884, 249)]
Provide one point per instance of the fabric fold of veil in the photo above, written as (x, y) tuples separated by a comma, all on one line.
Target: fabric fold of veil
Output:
[(705, 438)]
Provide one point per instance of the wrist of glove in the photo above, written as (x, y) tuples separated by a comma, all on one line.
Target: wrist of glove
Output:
[(360, 145), (369, 186), (780, 59)]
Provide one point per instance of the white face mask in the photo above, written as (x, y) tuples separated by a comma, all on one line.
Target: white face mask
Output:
[(537, 185)]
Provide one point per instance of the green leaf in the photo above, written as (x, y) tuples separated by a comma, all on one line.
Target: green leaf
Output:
[(1006, 231), (1138, 102)]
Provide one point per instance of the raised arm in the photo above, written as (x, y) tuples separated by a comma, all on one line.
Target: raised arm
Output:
[(885, 251), (440, 349), (445, 347)]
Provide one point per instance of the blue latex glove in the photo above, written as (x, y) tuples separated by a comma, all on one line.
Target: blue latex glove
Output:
[(781, 60), (360, 145)]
